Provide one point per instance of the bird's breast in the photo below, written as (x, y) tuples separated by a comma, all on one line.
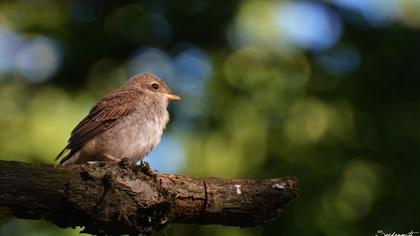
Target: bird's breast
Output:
[(135, 135)]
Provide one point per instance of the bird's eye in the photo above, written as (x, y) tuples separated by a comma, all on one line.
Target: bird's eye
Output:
[(155, 86)]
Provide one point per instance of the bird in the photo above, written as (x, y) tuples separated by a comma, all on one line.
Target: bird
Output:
[(125, 124)]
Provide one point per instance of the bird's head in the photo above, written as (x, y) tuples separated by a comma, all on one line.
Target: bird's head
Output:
[(152, 83)]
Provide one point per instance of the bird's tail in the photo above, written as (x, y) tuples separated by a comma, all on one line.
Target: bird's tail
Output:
[(69, 160), (61, 153)]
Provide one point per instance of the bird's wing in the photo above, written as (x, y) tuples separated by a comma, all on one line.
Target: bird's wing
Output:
[(101, 117)]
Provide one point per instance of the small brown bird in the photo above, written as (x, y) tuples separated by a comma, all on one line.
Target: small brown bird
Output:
[(126, 123)]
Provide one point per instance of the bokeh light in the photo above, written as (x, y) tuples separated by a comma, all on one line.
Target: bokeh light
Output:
[(309, 25), (39, 59), (152, 60), (254, 26), (10, 44), (168, 156), (286, 26), (375, 13), (409, 12), (192, 68), (351, 200)]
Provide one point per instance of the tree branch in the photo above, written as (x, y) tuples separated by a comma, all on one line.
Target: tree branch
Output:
[(115, 199)]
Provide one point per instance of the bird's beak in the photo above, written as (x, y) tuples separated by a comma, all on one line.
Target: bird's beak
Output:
[(173, 97)]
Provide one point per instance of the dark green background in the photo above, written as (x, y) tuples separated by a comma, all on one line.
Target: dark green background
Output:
[(253, 107)]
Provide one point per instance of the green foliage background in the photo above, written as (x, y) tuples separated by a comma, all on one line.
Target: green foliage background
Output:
[(352, 137)]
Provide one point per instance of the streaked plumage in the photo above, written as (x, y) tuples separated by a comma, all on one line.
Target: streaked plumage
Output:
[(126, 123)]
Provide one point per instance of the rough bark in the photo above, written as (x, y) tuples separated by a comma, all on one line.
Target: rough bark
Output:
[(115, 199)]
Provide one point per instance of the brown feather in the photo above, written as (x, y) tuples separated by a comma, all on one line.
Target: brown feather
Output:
[(115, 105)]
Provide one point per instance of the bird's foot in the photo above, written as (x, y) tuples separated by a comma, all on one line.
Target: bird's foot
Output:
[(144, 164), (145, 168)]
